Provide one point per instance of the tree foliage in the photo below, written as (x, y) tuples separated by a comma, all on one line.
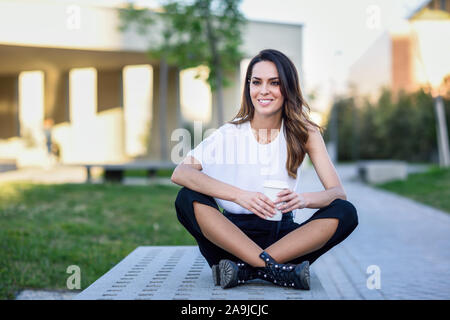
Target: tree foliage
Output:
[(193, 33), (401, 128)]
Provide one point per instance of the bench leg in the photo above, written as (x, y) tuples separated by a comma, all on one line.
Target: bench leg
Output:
[(88, 174), (151, 173), (113, 175)]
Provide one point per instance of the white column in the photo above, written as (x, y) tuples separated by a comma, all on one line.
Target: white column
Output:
[(138, 108), (83, 108), (31, 108)]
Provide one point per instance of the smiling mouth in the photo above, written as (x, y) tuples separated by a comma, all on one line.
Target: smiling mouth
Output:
[(265, 102)]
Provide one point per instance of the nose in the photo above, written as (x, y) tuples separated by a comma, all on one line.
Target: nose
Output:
[(264, 89)]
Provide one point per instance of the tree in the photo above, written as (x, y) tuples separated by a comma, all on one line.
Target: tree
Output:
[(194, 33)]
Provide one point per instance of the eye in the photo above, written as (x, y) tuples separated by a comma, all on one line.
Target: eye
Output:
[(276, 83), (255, 82)]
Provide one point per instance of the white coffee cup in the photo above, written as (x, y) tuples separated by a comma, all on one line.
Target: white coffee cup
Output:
[(271, 190)]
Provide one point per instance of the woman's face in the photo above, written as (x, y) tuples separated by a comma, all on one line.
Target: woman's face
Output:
[(265, 90)]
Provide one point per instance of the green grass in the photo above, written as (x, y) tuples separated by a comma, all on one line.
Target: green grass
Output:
[(431, 187), (46, 228)]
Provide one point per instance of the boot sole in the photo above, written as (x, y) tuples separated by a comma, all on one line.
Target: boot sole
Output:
[(216, 274), (228, 274), (304, 275)]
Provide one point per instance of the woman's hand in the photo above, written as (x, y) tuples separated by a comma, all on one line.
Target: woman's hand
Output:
[(256, 202), (291, 201)]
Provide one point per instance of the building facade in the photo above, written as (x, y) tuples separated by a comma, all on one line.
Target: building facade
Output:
[(65, 68), (413, 54)]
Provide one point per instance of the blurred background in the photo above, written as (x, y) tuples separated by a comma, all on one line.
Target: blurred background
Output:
[(99, 82), (105, 84)]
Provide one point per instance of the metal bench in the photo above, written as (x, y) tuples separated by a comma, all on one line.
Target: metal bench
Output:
[(114, 172), (181, 273)]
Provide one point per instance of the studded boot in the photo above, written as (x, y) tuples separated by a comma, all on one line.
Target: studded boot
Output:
[(286, 275), (229, 274), (216, 274)]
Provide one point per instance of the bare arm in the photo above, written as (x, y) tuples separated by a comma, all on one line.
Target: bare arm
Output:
[(188, 174), (326, 172)]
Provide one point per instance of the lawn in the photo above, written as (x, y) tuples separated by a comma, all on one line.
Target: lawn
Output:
[(431, 187), (46, 228)]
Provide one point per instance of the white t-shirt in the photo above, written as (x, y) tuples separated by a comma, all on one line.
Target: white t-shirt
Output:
[(232, 155)]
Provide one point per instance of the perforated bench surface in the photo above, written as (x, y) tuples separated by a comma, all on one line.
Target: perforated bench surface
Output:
[(181, 272)]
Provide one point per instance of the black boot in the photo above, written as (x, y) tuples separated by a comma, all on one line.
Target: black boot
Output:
[(216, 274), (233, 273), (287, 275)]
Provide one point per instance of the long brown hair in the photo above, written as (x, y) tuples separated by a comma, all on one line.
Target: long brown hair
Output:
[(295, 110)]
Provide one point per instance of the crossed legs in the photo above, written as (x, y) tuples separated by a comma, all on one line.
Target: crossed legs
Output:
[(224, 234)]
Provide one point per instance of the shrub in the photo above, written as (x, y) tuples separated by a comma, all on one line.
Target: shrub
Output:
[(401, 128)]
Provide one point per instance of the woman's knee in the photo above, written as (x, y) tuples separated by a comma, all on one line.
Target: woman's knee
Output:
[(185, 213), (348, 214), (182, 196), (182, 202)]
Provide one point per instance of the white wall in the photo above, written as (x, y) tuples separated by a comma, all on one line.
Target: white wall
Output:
[(66, 25)]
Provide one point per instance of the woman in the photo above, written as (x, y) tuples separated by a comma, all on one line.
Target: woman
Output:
[(240, 244)]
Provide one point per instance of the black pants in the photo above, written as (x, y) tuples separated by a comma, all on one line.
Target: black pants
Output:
[(262, 232)]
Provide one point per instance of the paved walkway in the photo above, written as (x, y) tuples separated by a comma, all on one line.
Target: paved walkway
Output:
[(405, 242), (409, 243), (182, 273)]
